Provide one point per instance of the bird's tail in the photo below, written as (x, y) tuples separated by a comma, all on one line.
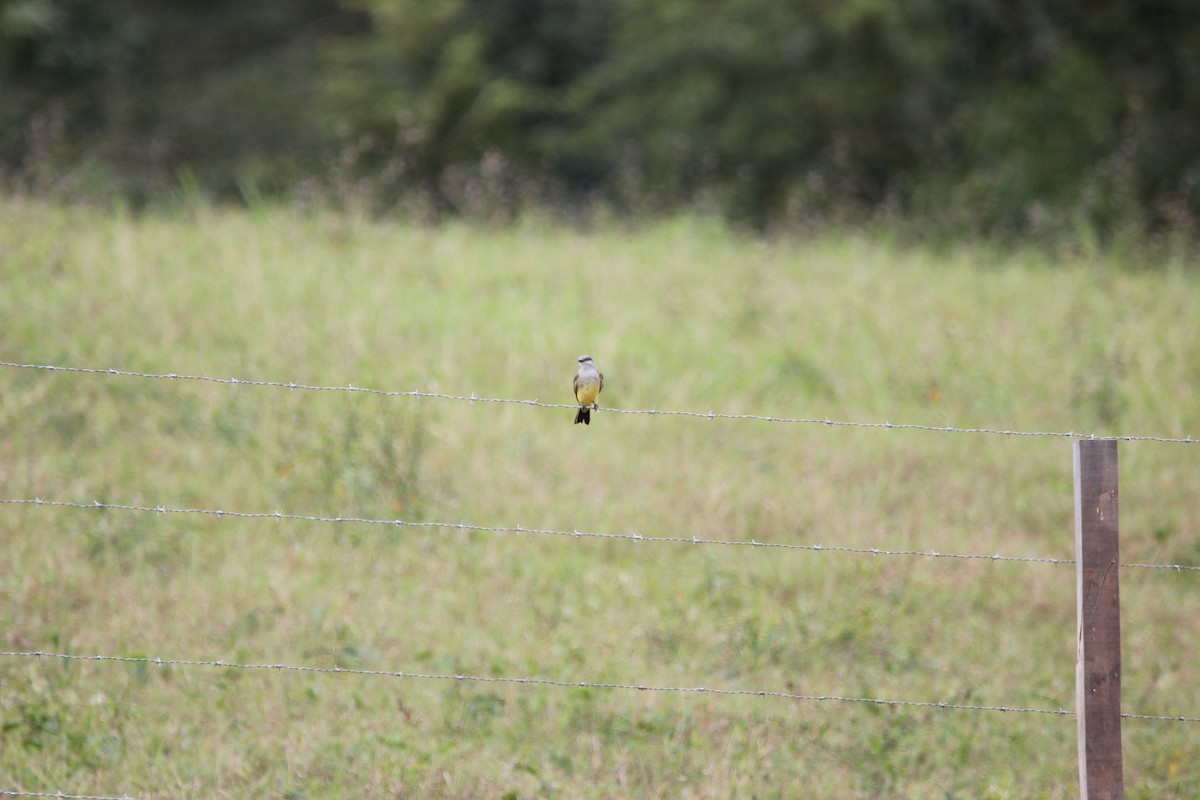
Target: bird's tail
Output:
[(584, 416)]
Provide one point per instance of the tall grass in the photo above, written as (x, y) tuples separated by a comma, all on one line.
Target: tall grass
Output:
[(683, 314)]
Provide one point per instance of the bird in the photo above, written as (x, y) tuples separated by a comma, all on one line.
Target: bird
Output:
[(587, 385)]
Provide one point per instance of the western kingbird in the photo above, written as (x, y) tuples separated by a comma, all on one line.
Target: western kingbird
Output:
[(587, 385)]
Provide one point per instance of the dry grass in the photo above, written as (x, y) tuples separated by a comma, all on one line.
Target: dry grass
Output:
[(681, 315)]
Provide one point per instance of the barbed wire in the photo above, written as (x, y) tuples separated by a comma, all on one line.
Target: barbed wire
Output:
[(711, 415), (537, 682), (887, 425), (462, 678), (98, 505)]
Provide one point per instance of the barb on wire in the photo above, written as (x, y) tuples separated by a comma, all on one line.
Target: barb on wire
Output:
[(379, 673), (711, 415), (576, 534)]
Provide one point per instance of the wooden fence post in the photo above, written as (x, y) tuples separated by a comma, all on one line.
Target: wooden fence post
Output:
[(1098, 610)]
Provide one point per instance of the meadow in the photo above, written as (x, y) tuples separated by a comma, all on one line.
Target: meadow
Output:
[(682, 314)]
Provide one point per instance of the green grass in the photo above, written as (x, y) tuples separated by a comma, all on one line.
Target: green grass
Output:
[(680, 315)]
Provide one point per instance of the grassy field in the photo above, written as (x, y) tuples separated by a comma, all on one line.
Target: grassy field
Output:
[(680, 315)]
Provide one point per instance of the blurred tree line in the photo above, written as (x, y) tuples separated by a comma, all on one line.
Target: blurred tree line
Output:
[(980, 115)]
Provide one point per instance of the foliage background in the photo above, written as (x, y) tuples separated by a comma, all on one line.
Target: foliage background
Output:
[(966, 115)]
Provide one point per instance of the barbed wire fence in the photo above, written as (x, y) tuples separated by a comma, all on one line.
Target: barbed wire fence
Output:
[(169, 662), (711, 415), (98, 505), (281, 516)]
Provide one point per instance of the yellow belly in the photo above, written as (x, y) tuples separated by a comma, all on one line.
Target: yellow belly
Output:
[(586, 393)]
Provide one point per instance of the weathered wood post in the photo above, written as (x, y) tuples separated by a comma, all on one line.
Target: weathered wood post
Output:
[(1098, 615)]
